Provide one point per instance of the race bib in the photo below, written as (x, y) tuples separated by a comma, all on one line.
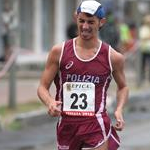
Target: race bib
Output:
[(79, 99)]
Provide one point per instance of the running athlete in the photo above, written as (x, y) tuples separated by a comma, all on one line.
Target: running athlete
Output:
[(82, 69)]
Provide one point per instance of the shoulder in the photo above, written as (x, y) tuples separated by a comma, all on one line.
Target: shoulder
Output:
[(117, 59), (56, 49), (55, 52)]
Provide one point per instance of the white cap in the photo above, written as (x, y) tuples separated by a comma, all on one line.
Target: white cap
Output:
[(91, 7)]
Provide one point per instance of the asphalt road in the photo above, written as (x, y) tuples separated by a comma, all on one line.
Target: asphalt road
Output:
[(136, 135)]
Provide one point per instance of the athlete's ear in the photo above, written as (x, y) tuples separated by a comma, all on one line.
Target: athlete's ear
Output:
[(102, 22)]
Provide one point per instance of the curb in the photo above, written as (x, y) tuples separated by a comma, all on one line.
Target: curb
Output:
[(34, 118)]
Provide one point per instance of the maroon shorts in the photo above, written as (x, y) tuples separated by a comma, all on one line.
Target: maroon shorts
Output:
[(86, 133)]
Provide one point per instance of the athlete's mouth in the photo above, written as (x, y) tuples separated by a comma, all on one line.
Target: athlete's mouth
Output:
[(86, 32)]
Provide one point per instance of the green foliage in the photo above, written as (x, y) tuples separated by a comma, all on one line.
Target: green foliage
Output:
[(14, 125)]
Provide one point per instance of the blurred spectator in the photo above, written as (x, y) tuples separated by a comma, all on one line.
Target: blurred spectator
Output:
[(133, 30), (109, 32), (125, 36), (72, 30), (144, 37), (134, 37), (7, 18)]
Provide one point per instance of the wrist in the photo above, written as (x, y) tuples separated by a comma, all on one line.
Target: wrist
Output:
[(119, 109), (48, 102)]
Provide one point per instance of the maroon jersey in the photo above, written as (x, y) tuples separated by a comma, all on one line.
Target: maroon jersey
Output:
[(79, 131), (96, 70)]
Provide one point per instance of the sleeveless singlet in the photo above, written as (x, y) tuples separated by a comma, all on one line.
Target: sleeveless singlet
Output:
[(82, 86), (96, 70)]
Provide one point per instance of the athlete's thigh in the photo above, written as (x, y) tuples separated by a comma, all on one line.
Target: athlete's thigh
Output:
[(104, 146)]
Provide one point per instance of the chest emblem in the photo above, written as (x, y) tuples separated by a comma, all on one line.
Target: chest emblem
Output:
[(69, 65)]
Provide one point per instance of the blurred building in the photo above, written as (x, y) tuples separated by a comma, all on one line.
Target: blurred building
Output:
[(42, 23)]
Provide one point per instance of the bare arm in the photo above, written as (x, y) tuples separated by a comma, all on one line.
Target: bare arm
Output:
[(51, 69), (122, 89)]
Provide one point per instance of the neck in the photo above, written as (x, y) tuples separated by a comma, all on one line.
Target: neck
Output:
[(88, 44)]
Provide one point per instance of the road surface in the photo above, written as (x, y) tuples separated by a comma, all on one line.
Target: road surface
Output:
[(136, 135)]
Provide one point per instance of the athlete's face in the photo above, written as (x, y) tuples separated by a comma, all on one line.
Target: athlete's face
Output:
[(88, 26)]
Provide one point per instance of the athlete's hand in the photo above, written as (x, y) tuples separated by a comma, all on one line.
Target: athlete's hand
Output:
[(119, 120), (54, 108)]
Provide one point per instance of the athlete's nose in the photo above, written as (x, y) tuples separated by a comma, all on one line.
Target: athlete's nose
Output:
[(85, 25)]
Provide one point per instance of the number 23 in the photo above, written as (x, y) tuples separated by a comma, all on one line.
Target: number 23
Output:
[(77, 97)]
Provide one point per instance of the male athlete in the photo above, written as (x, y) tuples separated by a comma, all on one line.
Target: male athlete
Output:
[(82, 69)]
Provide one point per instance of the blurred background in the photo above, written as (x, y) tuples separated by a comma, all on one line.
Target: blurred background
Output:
[(28, 30)]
